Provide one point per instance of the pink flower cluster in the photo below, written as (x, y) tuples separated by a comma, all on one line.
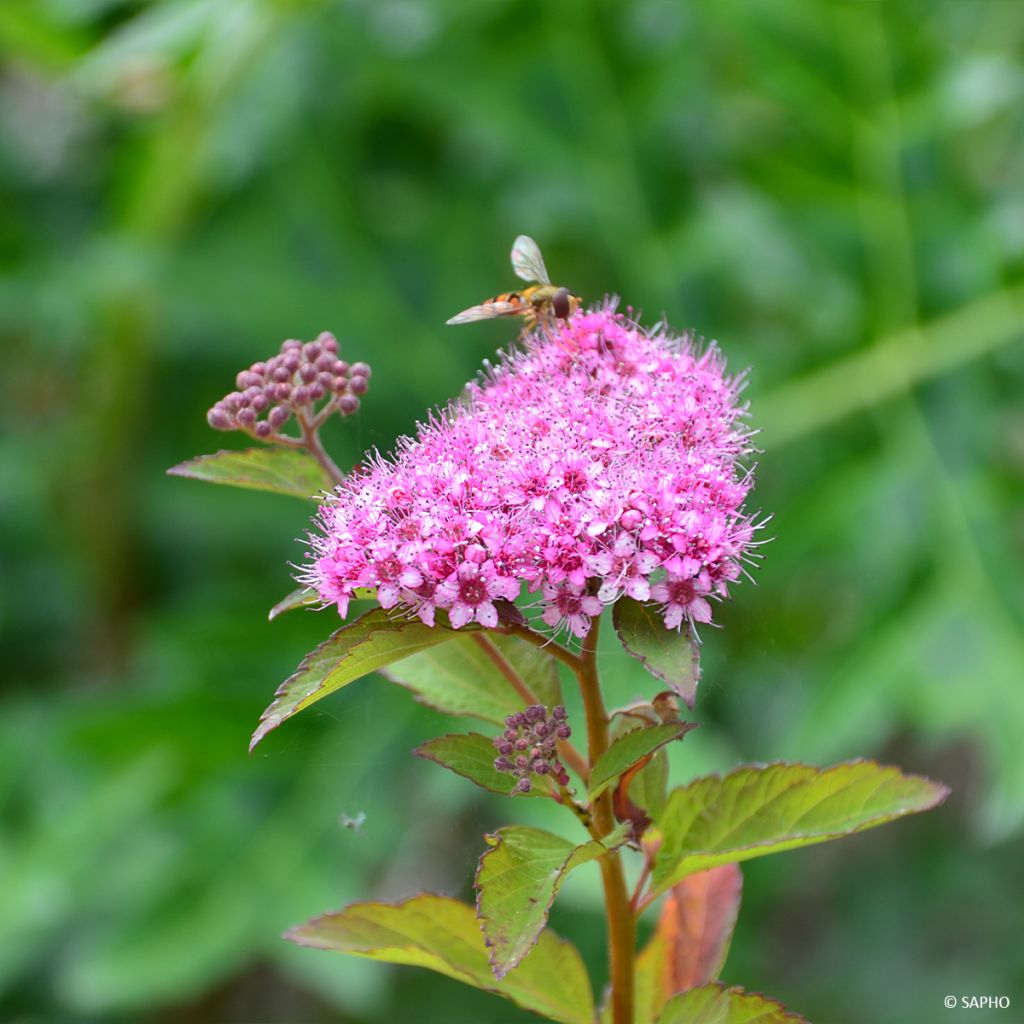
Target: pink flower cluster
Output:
[(602, 459)]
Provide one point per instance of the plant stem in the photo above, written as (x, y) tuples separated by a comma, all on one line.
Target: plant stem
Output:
[(311, 437), (621, 922)]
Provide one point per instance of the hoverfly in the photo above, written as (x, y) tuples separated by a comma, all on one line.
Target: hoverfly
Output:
[(541, 303)]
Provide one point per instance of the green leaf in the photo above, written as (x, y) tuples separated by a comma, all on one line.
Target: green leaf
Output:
[(716, 1004), (648, 789), (365, 645), (472, 756), (470, 677), (668, 654), (628, 750), (305, 597), (282, 470), (517, 881), (444, 935), (301, 598), (756, 810)]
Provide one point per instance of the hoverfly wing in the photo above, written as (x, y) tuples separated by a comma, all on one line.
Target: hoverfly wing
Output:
[(527, 261), (486, 311)]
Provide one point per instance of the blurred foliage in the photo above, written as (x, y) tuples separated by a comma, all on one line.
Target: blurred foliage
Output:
[(831, 189)]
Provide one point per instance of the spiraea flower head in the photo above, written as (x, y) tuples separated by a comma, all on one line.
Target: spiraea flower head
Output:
[(599, 459)]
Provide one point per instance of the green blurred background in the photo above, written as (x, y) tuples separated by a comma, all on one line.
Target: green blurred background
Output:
[(832, 190)]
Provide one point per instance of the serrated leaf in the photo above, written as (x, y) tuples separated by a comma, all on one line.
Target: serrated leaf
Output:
[(358, 648), (757, 810), (517, 881), (444, 935), (668, 654), (696, 927), (472, 756), (629, 749), (282, 470), (470, 676), (716, 1004)]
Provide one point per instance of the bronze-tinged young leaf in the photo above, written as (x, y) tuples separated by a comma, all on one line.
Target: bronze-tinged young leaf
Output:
[(444, 935), (762, 809), (696, 925), (668, 654), (472, 756), (470, 677), (517, 881), (629, 749), (282, 470), (363, 646), (716, 1004)]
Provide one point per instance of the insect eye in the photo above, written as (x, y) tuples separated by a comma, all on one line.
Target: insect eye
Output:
[(560, 303)]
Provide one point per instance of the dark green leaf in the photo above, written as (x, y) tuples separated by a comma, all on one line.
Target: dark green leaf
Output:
[(282, 470), (472, 756), (757, 810), (715, 1004), (668, 654), (517, 881), (444, 935), (630, 748), (365, 645), (470, 676)]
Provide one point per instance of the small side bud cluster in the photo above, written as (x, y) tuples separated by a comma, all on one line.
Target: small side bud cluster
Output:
[(293, 382), (529, 745)]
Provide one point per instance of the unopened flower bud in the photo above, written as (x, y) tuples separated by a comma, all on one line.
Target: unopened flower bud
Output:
[(233, 402), (219, 418), (316, 391), (541, 767), (325, 362), (307, 372), (300, 396), (263, 429), (502, 764), (278, 416), (524, 786), (358, 385), (247, 416), (522, 761), (327, 341), (283, 392), (559, 713), (348, 404), (522, 744), (361, 370), (291, 345), (563, 732), (311, 351), (281, 375), (340, 367), (631, 519), (292, 362)]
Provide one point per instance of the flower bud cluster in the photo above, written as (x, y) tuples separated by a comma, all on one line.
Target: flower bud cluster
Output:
[(292, 382), (529, 745)]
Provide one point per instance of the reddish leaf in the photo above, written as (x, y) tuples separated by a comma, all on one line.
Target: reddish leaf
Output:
[(696, 925)]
